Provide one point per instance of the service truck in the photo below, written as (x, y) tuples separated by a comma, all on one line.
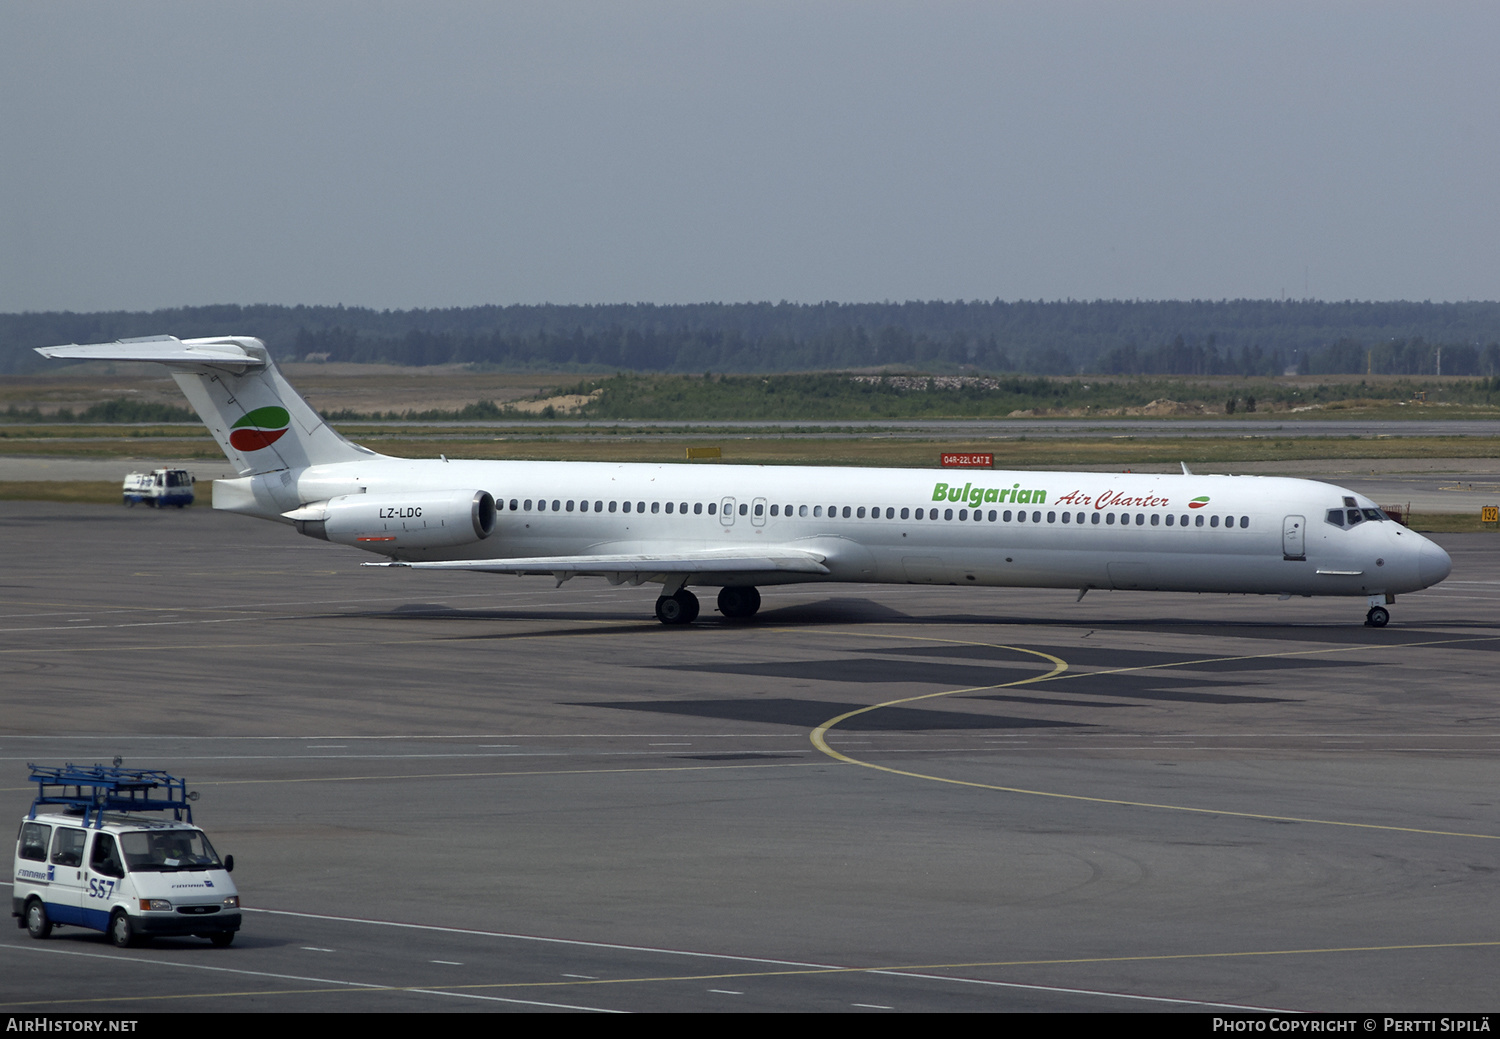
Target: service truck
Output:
[(98, 850)]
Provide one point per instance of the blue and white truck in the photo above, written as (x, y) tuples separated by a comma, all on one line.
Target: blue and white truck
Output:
[(98, 851)]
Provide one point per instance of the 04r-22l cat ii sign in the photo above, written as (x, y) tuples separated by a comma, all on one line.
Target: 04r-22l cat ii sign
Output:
[(736, 528)]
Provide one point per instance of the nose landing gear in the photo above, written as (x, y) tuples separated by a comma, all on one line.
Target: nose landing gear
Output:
[(1378, 617)]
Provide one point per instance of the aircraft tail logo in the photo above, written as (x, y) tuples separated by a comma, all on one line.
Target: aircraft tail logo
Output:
[(260, 429)]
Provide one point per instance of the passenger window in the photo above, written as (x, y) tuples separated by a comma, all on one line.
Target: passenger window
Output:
[(1109, 518), (1198, 522), (527, 505), (1094, 518), (598, 506), (669, 508), (556, 504), (861, 512), (697, 508), (1080, 517), (1067, 517), (1140, 519), (513, 504), (625, 506), (993, 515), (1155, 519), (570, 506), (104, 859), (1213, 521), (656, 506), (1244, 522), (67, 847), (947, 514), (760, 510), (744, 509), (640, 506), (801, 510), (817, 510), (612, 506), (34, 838), (963, 514), (682, 507), (1006, 516), (713, 508), (1051, 517)]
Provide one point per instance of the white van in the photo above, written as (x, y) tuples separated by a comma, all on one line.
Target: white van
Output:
[(159, 488), (86, 856)]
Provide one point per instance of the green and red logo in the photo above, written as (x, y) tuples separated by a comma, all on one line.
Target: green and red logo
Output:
[(261, 428), (1198, 503)]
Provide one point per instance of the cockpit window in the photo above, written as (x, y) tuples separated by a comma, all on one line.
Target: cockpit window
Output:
[(1336, 517), (1355, 517), (1373, 514)]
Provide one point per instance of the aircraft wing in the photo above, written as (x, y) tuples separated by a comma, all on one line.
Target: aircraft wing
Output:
[(637, 567)]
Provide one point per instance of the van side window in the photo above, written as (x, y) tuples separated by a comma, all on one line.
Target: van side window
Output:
[(34, 838), (67, 847), (104, 858)]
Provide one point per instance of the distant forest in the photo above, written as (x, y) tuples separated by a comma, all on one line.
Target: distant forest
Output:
[(1230, 337)]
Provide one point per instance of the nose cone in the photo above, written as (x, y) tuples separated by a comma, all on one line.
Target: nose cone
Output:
[(1433, 564)]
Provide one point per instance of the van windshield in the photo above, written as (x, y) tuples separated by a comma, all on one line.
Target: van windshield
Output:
[(168, 851)]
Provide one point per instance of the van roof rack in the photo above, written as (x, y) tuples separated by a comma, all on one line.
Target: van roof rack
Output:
[(95, 789)]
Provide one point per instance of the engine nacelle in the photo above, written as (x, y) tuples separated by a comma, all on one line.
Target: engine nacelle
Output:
[(390, 522)]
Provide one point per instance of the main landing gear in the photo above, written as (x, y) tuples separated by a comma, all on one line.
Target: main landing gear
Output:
[(738, 602), (681, 607)]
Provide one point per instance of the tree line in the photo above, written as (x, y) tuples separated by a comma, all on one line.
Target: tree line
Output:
[(1189, 337)]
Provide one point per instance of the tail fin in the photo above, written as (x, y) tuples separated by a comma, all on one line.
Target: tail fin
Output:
[(258, 419)]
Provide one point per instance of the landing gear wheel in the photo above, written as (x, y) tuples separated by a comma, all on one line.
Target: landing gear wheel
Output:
[(37, 923), (222, 939), (679, 608), (120, 930), (1378, 617), (738, 602)]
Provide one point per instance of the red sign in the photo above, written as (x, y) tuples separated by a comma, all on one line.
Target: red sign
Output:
[(957, 461)]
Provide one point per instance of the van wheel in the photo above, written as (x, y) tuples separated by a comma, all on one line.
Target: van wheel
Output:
[(222, 939), (121, 932), (37, 923)]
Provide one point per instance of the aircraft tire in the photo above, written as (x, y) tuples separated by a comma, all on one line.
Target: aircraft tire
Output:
[(1378, 617), (738, 602), (672, 610)]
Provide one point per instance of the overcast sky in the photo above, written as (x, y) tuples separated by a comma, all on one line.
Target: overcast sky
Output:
[(453, 153)]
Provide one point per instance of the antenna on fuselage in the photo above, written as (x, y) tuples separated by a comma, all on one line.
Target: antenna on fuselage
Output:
[(1185, 470)]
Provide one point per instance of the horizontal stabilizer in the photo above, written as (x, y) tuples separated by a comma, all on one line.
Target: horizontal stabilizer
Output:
[(229, 353)]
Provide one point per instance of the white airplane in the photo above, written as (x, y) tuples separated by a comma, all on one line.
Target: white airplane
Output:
[(738, 527)]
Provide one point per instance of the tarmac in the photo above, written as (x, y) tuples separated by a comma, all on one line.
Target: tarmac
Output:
[(460, 793)]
